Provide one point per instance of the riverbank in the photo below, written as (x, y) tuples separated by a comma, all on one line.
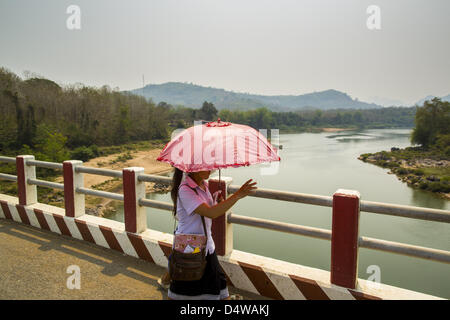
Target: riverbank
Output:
[(142, 158), (420, 169), (319, 129), (336, 129), (314, 129)]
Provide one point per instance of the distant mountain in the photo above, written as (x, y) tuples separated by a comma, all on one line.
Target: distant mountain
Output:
[(387, 102), (190, 95), (421, 101)]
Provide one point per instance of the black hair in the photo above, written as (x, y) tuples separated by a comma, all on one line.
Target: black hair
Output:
[(176, 181)]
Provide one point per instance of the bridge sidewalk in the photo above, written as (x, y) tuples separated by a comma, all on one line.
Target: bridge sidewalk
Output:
[(34, 265)]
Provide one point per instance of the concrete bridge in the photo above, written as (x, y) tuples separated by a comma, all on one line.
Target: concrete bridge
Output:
[(39, 240)]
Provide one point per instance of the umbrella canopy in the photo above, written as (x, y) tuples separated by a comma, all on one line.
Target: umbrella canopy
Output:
[(217, 145)]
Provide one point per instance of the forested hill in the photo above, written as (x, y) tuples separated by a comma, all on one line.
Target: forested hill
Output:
[(190, 95), (57, 122)]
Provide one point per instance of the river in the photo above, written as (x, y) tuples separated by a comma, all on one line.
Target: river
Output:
[(321, 163)]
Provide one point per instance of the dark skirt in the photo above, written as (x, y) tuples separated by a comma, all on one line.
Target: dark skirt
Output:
[(213, 284)]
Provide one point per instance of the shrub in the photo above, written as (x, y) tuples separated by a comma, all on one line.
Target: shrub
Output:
[(383, 155), (447, 151), (438, 187), (124, 157), (95, 150), (414, 180), (382, 163), (364, 156), (82, 153), (423, 185), (444, 187), (392, 164)]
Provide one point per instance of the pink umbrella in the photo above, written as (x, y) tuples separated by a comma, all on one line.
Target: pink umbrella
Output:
[(217, 145)]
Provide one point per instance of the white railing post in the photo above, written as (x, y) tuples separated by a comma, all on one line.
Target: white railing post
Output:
[(27, 192), (222, 230), (135, 215), (74, 202)]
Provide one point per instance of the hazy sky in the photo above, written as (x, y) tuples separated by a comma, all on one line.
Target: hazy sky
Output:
[(256, 46)]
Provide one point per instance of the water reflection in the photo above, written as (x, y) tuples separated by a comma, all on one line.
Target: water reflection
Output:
[(364, 135), (427, 199), (351, 136)]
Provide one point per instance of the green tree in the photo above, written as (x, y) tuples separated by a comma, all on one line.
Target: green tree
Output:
[(26, 126), (260, 118), (225, 115), (338, 118), (82, 153), (158, 122), (50, 145), (317, 117), (357, 118), (208, 112), (122, 125), (432, 120)]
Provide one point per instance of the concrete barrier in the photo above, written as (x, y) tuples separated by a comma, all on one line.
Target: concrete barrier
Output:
[(257, 274)]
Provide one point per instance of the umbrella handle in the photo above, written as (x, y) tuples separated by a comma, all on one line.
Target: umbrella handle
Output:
[(217, 194)]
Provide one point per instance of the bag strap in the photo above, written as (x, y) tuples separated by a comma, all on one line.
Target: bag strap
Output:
[(202, 217)]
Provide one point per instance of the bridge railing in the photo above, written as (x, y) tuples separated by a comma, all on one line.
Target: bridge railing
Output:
[(345, 204)]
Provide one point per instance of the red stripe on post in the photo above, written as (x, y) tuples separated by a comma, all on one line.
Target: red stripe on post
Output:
[(62, 225), (166, 248), (41, 219), (5, 209), (129, 199), (218, 228), (261, 281), (21, 183), (22, 214), (69, 196), (84, 230), (309, 288), (139, 247), (110, 238), (363, 296), (344, 239)]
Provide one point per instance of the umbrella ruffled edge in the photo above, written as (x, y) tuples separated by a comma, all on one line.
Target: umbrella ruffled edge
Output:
[(222, 166)]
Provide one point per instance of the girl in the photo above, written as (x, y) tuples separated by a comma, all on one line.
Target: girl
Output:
[(192, 199)]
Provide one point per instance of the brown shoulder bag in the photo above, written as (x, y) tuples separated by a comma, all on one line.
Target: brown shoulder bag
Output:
[(188, 266)]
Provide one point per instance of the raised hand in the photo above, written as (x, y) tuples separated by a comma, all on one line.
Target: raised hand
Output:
[(221, 207), (246, 189)]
